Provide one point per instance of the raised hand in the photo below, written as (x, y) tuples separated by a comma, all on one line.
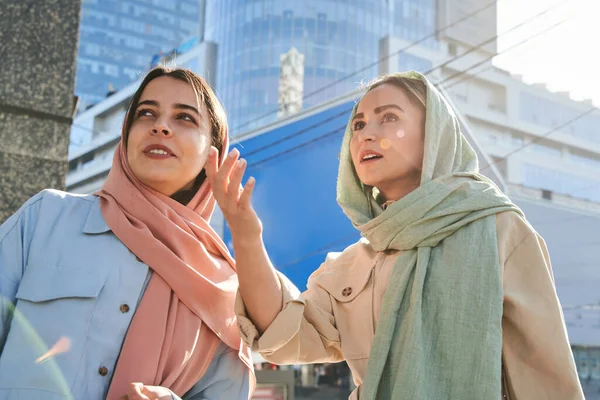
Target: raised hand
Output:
[(233, 199), (260, 287)]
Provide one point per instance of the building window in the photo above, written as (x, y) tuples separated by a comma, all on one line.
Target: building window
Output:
[(132, 25), (72, 165), (131, 73), (546, 194), (587, 360), (134, 42), (545, 150), (92, 49), (111, 70), (538, 177), (87, 158), (551, 114), (585, 161)]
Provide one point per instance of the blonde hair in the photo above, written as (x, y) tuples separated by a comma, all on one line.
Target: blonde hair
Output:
[(415, 89)]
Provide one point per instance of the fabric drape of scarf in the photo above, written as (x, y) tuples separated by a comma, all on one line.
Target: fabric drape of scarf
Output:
[(440, 329), (187, 308)]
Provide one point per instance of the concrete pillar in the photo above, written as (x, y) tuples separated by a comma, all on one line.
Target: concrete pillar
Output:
[(37, 78)]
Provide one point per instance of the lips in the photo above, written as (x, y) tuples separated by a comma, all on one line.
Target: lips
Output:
[(158, 150), (367, 156)]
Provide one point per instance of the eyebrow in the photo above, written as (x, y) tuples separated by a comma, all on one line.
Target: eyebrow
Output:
[(379, 110), (177, 105)]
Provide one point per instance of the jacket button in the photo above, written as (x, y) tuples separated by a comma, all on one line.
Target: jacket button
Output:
[(103, 371), (347, 292), (124, 308)]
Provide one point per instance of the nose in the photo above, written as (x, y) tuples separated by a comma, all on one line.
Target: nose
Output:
[(160, 127), (367, 134)]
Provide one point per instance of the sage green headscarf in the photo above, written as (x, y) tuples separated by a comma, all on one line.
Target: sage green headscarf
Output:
[(440, 328)]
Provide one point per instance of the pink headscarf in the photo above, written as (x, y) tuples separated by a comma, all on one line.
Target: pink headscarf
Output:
[(188, 306)]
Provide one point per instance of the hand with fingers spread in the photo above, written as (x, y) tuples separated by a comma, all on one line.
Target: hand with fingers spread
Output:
[(233, 199), (258, 282)]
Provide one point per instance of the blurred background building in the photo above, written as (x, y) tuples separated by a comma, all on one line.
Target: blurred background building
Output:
[(118, 39)]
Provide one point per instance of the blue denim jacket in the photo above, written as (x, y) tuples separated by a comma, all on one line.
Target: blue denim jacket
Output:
[(64, 274)]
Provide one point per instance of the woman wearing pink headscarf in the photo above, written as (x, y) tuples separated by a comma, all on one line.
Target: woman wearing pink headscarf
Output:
[(128, 293)]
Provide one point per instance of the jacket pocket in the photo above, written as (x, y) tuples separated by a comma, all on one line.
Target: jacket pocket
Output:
[(352, 304), (59, 282), (59, 300), (345, 287), (54, 306)]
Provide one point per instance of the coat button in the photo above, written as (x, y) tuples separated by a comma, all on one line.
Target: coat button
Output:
[(347, 291), (103, 371), (124, 308)]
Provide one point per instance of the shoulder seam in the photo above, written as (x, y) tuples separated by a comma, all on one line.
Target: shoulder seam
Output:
[(519, 245), (20, 217)]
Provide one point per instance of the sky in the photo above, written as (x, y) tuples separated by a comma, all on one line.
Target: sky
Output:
[(566, 58)]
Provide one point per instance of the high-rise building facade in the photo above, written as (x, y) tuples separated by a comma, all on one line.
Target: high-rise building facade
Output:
[(336, 38), (118, 39)]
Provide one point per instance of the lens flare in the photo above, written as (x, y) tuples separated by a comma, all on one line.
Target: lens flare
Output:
[(385, 144), (22, 328), (62, 346)]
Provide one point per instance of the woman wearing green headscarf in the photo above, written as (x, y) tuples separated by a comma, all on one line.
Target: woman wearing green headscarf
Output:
[(449, 294)]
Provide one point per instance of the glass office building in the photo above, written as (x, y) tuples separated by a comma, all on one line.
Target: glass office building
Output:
[(336, 37), (118, 39)]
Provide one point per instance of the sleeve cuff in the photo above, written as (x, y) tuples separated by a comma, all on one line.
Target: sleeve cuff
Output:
[(283, 328)]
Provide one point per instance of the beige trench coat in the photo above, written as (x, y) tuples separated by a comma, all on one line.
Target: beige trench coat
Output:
[(335, 319)]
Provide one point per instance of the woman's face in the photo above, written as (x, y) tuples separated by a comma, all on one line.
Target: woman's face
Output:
[(388, 140), (170, 136)]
